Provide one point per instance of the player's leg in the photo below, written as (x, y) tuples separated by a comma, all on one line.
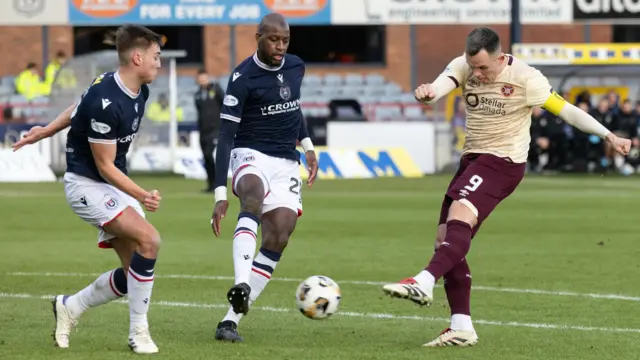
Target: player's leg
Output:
[(251, 186), (109, 286), (409, 288), (97, 204), (144, 240), (457, 282), (280, 210), (481, 200), (277, 226)]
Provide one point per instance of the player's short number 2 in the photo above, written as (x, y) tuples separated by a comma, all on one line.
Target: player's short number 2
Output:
[(294, 186), (474, 182)]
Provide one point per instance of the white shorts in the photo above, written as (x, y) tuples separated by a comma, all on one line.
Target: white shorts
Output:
[(97, 203), (280, 177)]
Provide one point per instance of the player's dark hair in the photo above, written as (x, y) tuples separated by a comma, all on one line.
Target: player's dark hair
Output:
[(129, 37), (482, 38)]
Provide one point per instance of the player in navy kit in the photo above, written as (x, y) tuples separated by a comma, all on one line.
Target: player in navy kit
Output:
[(103, 124), (261, 109)]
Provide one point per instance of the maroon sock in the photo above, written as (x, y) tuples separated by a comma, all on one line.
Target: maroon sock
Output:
[(454, 248), (457, 285)]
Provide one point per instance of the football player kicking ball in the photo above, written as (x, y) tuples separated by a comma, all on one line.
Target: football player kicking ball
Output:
[(499, 91), (261, 109), (103, 125)]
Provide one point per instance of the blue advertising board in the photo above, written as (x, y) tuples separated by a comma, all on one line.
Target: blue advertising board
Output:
[(195, 12)]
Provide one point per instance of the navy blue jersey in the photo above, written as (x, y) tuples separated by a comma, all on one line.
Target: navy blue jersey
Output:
[(107, 113), (265, 102), (261, 108)]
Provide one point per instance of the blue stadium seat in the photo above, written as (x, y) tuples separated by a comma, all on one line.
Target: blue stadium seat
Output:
[(333, 80), (374, 79)]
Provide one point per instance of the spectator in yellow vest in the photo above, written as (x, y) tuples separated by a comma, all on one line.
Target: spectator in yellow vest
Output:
[(158, 111), (55, 72), (28, 82)]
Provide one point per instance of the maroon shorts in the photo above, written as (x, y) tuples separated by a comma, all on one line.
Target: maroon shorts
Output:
[(482, 182)]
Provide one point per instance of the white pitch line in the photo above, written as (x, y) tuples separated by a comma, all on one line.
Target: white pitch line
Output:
[(378, 316), (350, 282)]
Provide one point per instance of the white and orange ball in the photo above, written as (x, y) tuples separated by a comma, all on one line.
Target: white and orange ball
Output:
[(318, 297)]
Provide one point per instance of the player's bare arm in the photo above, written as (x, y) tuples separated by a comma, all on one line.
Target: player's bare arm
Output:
[(104, 156), (38, 133)]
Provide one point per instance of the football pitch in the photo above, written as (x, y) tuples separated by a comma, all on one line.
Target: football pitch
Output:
[(555, 272)]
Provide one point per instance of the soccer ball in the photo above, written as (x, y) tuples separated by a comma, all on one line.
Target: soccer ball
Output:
[(318, 297)]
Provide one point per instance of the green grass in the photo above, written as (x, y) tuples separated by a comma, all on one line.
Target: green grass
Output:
[(555, 234)]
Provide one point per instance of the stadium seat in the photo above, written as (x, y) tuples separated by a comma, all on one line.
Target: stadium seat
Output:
[(354, 79), (392, 89), (367, 99), (8, 81), (413, 112), (407, 98), (42, 100), (312, 80), (333, 80), (6, 90), (374, 90), (17, 99), (374, 79), (388, 112)]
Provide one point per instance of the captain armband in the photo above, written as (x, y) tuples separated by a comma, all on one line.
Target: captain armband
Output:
[(554, 104)]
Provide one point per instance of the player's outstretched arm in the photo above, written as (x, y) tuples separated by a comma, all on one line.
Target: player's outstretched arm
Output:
[(309, 151), (581, 120), (452, 76), (431, 93), (38, 133), (540, 93)]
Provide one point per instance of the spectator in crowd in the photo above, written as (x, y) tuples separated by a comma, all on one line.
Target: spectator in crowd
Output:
[(7, 114), (627, 126), (549, 139), (581, 146), (614, 100), (55, 72), (584, 97), (637, 112), (159, 112), (28, 82), (603, 114), (208, 99)]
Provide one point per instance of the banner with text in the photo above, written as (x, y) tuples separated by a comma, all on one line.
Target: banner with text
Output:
[(34, 12), (445, 12), (333, 163), (607, 11), (195, 12)]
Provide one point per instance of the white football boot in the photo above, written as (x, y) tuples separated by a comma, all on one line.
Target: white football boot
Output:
[(64, 322), (450, 337), (411, 290), (140, 341)]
